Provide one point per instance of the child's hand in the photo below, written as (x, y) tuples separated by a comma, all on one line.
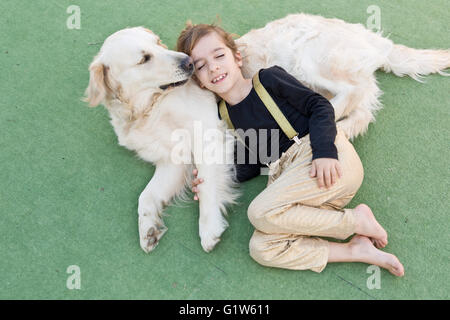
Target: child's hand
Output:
[(327, 171), (195, 182)]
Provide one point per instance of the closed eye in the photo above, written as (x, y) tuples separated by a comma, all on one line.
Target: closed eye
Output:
[(220, 56), (145, 58)]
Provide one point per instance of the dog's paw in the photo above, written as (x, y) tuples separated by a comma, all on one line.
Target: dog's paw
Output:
[(209, 243), (150, 233), (210, 233)]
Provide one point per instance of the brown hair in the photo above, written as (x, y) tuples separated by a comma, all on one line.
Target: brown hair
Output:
[(191, 34)]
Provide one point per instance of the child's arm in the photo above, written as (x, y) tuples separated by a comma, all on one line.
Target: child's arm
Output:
[(321, 122), (319, 111), (327, 171)]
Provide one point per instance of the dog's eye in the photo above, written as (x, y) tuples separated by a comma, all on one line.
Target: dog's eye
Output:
[(145, 58)]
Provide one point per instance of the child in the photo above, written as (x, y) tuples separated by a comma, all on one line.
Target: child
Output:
[(310, 183)]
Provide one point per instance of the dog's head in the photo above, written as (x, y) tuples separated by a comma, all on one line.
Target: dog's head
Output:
[(132, 61)]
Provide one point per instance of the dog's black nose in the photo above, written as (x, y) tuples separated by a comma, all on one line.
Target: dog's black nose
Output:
[(187, 64)]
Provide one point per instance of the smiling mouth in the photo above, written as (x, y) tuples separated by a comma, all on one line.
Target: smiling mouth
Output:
[(173, 84), (220, 78)]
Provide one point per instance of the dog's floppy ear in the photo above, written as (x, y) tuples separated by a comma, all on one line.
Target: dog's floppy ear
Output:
[(96, 90), (160, 43)]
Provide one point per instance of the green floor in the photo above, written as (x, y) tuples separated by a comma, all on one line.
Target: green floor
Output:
[(68, 192)]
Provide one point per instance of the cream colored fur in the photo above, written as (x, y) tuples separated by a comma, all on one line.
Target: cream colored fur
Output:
[(145, 117), (335, 58), (338, 60)]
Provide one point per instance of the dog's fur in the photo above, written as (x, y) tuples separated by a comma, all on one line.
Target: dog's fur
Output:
[(133, 68), (144, 118), (338, 60)]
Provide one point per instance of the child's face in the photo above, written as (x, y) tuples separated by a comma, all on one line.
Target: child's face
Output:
[(216, 67)]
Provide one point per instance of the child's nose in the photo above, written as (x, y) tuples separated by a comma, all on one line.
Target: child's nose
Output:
[(214, 68)]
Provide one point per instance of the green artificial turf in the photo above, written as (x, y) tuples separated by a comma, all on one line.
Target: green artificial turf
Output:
[(68, 192)]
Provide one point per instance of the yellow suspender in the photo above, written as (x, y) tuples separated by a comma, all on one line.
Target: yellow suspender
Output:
[(224, 114), (270, 105)]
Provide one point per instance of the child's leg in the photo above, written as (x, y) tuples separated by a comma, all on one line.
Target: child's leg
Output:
[(295, 252), (289, 251), (294, 204), (292, 207), (361, 249)]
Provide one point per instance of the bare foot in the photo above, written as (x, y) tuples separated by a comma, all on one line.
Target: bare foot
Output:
[(364, 251), (368, 226)]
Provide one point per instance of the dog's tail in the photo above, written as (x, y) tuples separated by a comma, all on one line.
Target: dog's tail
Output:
[(416, 62)]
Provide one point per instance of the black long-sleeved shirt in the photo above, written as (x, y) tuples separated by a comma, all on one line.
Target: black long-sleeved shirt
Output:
[(306, 110)]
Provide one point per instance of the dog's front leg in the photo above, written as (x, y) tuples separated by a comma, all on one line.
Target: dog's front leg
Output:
[(215, 164), (211, 222), (167, 181)]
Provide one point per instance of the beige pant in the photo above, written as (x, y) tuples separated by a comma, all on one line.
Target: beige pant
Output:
[(292, 209)]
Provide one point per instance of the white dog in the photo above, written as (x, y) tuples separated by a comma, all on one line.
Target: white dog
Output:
[(338, 60), (149, 96)]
